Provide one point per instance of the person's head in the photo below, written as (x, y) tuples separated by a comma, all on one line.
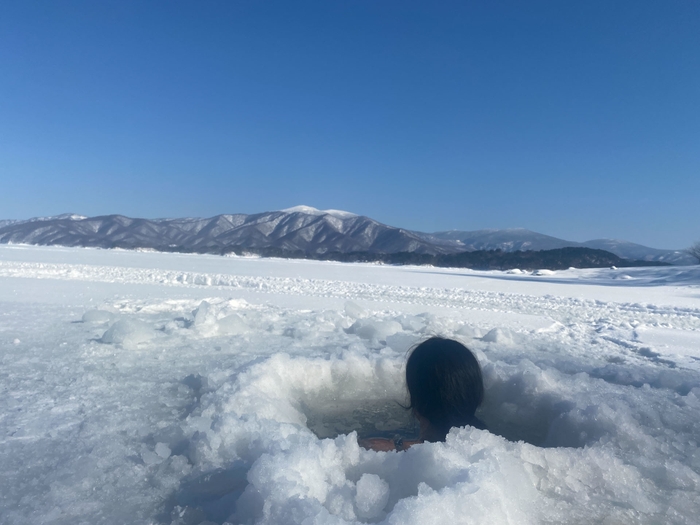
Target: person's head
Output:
[(444, 384)]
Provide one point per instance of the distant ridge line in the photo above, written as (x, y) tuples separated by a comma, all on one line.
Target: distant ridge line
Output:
[(298, 230)]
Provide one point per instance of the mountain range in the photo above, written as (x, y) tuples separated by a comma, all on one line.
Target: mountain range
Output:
[(299, 229), (514, 239)]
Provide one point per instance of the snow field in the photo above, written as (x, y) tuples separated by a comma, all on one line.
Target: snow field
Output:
[(180, 410)]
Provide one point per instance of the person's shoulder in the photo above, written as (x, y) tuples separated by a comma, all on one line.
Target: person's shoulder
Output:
[(377, 444), (387, 445)]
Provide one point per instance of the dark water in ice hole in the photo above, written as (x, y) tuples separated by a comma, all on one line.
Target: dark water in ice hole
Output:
[(385, 419), (388, 419)]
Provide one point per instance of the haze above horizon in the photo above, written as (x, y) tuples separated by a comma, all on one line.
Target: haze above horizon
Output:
[(576, 120)]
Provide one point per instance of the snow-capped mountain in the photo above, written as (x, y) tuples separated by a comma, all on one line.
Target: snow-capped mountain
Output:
[(298, 229), (7, 222), (301, 228)]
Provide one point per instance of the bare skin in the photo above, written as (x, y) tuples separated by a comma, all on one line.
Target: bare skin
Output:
[(386, 445)]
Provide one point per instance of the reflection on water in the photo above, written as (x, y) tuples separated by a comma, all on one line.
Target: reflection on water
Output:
[(369, 418)]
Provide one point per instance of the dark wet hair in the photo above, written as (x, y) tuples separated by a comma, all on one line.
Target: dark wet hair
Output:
[(444, 384)]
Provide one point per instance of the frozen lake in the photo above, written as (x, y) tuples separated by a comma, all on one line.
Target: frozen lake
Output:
[(165, 388)]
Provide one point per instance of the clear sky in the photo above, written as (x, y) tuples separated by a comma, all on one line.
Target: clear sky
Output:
[(579, 119)]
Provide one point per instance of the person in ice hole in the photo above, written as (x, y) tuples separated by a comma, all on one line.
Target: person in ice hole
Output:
[(445, 389)]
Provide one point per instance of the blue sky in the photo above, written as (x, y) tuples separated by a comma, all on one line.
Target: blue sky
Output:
[(575, 119)]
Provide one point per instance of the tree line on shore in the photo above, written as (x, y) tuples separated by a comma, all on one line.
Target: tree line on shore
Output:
[(558, 259)]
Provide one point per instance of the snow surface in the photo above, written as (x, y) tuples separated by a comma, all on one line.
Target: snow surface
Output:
[(179, 389)]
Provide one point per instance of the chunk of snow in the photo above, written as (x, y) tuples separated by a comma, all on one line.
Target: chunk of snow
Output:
[(129, 333), (411, 322), (97, 317), (402, 342), (354, 310), (372, 496), (374, 330), (163, 450), (498, 335), (233, 325), (203, 315), (469, 332)]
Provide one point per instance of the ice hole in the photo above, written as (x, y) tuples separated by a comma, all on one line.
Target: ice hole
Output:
[(542, 421), (332, 397), (510, 409), (382, 418)]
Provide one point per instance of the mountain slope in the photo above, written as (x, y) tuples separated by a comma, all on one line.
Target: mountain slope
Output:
[(514, 239), (301, 229), (630, 250), (508, 240)]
